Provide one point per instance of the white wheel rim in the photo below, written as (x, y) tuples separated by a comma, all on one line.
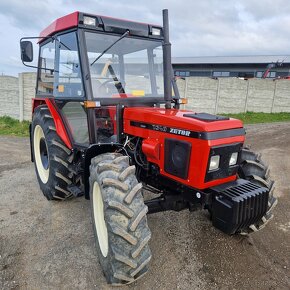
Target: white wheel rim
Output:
[(38, 135), (99, 217)]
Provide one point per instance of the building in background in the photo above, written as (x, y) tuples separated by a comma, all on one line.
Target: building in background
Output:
[(231, 66)]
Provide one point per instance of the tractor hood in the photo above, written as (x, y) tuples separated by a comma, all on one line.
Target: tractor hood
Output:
[(183, 120)]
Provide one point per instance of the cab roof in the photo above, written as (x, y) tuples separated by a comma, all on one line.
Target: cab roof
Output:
[(102, 23)]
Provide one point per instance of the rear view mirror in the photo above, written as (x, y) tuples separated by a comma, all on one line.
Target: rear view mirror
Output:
[(26, 51)]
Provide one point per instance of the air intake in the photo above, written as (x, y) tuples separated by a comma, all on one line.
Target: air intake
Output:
[(177, 157)]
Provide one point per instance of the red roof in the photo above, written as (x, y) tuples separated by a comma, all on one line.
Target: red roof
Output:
[(70, 21), (65, 22)]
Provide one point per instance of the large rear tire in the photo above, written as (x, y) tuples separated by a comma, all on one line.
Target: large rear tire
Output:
[(252, 168), (51, 156), (119, 219)]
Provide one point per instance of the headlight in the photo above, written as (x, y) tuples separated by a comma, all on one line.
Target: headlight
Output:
[(89, 21), (214, 162), (234, 159), (156, 31)]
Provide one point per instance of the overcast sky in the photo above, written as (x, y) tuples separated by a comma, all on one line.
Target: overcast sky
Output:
[(198, 28)]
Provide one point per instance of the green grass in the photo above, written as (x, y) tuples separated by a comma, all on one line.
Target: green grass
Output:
[(12, 127), (254, 118)]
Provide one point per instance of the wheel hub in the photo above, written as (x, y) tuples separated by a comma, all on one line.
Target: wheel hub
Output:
[(43, 153)]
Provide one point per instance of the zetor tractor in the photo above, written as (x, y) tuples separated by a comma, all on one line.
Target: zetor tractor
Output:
[(106, 124)]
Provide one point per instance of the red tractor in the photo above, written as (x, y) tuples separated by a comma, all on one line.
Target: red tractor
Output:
[(106, 125)]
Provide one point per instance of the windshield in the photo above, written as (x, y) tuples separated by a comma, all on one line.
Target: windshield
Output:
[(130, 68)]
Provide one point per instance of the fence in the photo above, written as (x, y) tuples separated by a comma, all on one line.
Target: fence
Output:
[(16, 94), (232, 95), (224, 95)]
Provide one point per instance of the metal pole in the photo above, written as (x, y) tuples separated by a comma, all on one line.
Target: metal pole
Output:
[(167, 67), (21, 97)]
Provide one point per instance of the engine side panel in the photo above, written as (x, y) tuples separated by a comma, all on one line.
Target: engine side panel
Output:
[(200, 139)]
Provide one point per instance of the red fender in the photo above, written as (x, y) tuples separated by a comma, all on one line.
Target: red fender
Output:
[(59, 126)]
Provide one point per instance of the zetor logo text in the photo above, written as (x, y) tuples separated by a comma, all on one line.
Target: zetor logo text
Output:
[(179, 132)]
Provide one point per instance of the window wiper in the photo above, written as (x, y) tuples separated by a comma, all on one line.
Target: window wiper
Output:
[(121, 37)]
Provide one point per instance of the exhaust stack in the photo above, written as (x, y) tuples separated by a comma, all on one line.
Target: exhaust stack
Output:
[(167, 67)]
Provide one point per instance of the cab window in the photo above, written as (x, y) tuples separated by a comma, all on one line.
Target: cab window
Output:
[(68, 82), (46, 70)]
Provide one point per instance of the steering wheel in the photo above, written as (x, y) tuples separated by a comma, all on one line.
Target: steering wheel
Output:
[(117, 84)]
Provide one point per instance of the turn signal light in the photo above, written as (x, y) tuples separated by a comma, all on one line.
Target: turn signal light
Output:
[(91, 104), (182, 101)]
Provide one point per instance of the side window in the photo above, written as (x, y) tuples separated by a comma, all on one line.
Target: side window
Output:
[(46, 73), (76, 118), (68, 73)]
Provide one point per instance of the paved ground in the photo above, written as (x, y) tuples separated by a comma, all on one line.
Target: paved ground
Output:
[(50, 245)]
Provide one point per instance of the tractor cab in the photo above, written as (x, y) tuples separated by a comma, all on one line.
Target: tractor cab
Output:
[(88, 61)]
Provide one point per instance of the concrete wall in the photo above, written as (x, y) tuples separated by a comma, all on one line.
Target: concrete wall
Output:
[(16, 94), (29, 83), (9, 96), (232, 95), (224, 95)]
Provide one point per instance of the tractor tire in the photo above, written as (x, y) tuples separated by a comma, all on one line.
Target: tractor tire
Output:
[(51, 156), (119, 219), (252, 168)]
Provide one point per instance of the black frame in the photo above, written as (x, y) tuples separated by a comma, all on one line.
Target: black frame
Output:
[(224, 170)]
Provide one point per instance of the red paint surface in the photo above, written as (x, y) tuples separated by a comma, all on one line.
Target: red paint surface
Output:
[(63, 23), (59, 126), (200, 148)]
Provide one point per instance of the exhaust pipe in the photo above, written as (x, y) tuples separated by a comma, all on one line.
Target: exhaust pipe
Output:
[(167, 67)]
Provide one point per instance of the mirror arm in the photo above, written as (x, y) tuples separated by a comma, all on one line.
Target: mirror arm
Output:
[(33, 37)]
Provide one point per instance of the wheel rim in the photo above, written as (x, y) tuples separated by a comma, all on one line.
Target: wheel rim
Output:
[(41, 154), (99, 217)]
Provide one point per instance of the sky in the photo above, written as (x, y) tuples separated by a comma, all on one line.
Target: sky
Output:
[(197, 28)]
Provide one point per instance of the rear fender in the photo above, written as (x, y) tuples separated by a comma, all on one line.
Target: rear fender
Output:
[(93, 151), (59, 124)]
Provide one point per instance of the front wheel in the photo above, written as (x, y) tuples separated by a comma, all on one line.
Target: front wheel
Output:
[(119, 219), (252, 168)]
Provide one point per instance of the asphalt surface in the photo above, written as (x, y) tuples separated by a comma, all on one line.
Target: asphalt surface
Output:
[(50, 245)]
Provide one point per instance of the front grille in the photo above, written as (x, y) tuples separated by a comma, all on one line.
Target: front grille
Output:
[(177, 157), (237, 205)]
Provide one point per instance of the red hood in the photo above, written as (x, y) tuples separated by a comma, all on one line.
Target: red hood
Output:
[(176, 118)]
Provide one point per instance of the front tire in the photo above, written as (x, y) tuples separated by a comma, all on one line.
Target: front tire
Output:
[(252, 168), (51, 157), (119, 219)]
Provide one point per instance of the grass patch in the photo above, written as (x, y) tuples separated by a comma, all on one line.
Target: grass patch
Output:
[(254, 118), (10, 126)]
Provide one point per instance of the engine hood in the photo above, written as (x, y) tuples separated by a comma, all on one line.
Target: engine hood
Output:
[(180, 119)]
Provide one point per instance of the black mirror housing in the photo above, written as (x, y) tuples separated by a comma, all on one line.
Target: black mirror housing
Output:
[(26, 51)]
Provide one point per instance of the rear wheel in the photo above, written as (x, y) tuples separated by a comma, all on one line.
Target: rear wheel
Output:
[(254, 169), (119, 219), (51, 156)]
